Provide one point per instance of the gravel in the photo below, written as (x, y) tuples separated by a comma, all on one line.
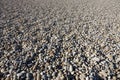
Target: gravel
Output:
[(59, 40)]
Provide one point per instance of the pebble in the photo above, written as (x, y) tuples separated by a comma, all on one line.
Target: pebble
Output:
[(110, 57), (87, 78), (118, 74), (8, 77), (76, 77), (102, 74), (95, 59), (36, 64), (34, 76), (21, 74), (117, 60), (15, 76), (70, 68), (82, 76), (38, 75), (2, 70), (61, 77), (1, 75)]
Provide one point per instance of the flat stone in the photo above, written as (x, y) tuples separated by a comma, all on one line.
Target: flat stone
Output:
[(96, 59)]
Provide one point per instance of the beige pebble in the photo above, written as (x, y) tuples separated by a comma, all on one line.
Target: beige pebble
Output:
[(76, 77), (2, 70), (102, 73), (24, 45), (15, 76), (106, 49), (118, 60), (109, 57), (82, 76), (8, 77), (70, 68), (35, 65), (102, 45), (38, 75), (114, 78), (95, 59), (35, 76)]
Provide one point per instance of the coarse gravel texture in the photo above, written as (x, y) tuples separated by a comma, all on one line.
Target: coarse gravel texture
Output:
[(59, 39)]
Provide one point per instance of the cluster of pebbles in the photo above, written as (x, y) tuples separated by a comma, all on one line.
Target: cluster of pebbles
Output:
[(59, 40)]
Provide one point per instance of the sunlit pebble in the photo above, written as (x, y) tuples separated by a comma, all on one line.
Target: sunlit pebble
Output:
[(14, 76), (8, 77), (87, 78), (10, 71), (118, 75), (102, 74), (2, 70), (106, 48), (19, 74), (118, 60), (76, 77), (110, 57), (82, 76), (73, 53), (38, 75), (60, 76), (95, 59), (70, 68), (76, 60)]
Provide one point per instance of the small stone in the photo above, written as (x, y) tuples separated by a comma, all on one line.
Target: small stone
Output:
[(114, 78), (38, 75), (29, 76), (102, 74), (34, 67), (102, 45), (10, 71), (95, 59), (87, 78), (35, 76), (106, 48), (1, 75), (49, 67), (60, 76), (110, 57), (24, 45), (21, 74), (118, 60), (18, 48), (82, 76), (15, 76), (71, 68), (118, 75), (2, 70), (76, 77), (51, 53), (76, 60), (8, 77)]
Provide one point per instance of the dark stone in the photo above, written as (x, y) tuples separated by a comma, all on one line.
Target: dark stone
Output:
[(34, 41), (1, 75), (30, 76), (23, 76), (70, 77), (46, 29), (54, 23), (59, 67), (97, 77), (18, 48), (1, 54)]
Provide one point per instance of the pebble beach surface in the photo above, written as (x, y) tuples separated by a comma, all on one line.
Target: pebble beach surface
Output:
[(59, 39)]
